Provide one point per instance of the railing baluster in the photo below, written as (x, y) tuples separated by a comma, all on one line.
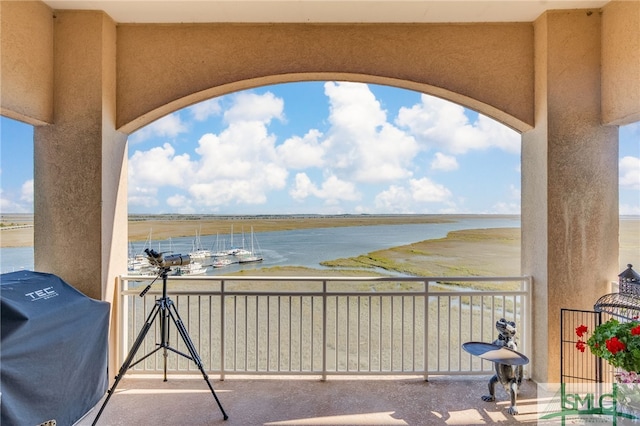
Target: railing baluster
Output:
[(290, 336), (324, 330), (402, 333), (391, 337), (413, 335), (369, 335), (246, 333), (358, 338), (235, 334), (425, 338), (278, 313), (460, 305), (312, 334), (349, 336), (211, 340), (257, 334), (222, 327), (380, 363)]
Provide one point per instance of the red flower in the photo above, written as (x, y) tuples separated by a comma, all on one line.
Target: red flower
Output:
[(635, 330), (614, 345), (580, 345), (581, 330)]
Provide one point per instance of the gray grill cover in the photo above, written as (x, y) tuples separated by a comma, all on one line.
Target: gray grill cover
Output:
[(53, 353)]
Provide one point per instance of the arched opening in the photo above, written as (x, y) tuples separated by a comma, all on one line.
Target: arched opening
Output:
[(325, 147), (301, 120)]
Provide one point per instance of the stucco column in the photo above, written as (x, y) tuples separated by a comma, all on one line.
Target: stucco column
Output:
[(80, 161), (569, 182)]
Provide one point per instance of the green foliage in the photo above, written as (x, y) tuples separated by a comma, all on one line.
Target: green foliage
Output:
[(616, 342)]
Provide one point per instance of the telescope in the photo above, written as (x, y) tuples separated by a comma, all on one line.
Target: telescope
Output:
[(161, 261), (165, 310)]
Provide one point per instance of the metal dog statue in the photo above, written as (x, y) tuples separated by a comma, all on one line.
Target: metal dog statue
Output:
[(510, 376)]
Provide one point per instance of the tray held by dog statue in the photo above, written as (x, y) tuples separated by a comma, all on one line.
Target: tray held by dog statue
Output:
[(495, 353)]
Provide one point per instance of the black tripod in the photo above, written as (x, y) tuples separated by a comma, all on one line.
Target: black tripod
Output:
[(164, 309)]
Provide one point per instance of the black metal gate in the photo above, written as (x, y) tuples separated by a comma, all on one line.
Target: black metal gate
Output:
[(583, 372)]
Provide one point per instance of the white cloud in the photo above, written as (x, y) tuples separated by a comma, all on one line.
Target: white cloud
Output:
[(153, 169), (445, 163), (244, 164), (515, 192), (168, 126), (443, 125), (160, 166), (26, 194), (498, 135), (426, 191), (238, 166), (413, 198), (629, 210), (248, 106), (302, 188), (206, 109), (142, 196), (361, 145), (332, 190), (9, 203), (629, 168), (301, 153), (396, 199), (180, 204)]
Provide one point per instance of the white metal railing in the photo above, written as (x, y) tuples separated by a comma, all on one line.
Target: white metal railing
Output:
[(325, 325)]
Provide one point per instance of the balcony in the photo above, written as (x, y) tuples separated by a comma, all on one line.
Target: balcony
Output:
[(303, 401), (318, 350)]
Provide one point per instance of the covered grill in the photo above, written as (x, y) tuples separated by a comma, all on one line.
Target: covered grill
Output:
[(53, 353)]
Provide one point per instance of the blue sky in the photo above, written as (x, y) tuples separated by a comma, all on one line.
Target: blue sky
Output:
[(317, 147)]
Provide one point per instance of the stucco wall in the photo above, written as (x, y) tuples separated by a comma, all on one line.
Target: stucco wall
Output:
[(569, 182), (26, 43), (162, 68), (80, 166)]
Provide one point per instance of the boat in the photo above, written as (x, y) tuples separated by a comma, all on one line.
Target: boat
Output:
[(199, 254), (236, 251), (221, 262), (138, 263), (193, 268), (218, 251), (250, 256)]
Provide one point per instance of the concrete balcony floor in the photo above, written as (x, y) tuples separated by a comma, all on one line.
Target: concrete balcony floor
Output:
[(309, 401)]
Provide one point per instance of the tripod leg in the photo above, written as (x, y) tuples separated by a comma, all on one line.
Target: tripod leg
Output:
[(127, 363), (164, 331), (175, 316)]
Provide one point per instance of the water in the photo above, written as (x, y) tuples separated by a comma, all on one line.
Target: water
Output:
[(303, 247)]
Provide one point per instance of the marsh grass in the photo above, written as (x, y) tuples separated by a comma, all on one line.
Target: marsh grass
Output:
[(470, 252)]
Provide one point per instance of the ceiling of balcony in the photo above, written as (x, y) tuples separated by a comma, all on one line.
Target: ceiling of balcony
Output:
[(255, 11)]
